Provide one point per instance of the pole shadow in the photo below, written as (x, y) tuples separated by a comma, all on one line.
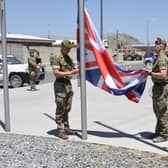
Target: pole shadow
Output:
[(2, 124), (165, 149), (54, 132), (115, 134), (50, 117)]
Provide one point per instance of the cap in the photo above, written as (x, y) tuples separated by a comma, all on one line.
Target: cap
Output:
[(68, 43), (32, 50), (160, 41)]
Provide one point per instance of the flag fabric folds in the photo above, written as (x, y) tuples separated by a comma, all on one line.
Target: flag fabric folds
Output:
[(103, 73)]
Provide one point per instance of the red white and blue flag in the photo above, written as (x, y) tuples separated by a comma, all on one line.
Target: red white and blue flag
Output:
[(102, 72)]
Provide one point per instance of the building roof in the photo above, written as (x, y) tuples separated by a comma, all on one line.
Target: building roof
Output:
[(28, 39), (142, 47)]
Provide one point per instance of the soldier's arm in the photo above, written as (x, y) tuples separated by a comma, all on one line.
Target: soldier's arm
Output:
[(35, 65), (159, 75), (162, 74), (32, 62), (59, 73)]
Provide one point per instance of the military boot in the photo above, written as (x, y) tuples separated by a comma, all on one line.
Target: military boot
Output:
[(160, 139), (34, 89), (68, 131), (62, 135)]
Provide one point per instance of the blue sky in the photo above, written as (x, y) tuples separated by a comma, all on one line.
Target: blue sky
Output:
[(58, 17)]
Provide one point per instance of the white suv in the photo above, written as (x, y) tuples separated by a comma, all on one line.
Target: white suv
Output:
[(18, 72)]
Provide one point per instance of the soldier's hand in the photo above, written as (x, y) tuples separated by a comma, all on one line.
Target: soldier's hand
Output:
[(75, 71), (146, 73)]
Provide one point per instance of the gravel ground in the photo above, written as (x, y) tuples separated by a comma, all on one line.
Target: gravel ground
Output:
[(22, 151)]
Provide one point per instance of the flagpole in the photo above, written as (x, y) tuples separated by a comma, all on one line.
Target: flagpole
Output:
[(5, 69), (82, 69)]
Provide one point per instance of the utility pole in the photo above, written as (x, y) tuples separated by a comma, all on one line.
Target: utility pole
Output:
[(117, 40), (147, 38), (147, 33), (101, 19)]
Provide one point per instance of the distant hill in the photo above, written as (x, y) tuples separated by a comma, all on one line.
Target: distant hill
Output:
[(121, 39)]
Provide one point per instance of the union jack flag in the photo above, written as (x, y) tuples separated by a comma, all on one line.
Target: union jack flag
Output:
[(102, 72)]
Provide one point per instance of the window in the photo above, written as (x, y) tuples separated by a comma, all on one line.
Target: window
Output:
[(13, 60)]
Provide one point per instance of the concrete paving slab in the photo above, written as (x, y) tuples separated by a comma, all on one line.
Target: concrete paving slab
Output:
[(112, 120)]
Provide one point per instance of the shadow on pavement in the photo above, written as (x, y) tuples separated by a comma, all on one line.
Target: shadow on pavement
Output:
[(47, 115), (2, 124), (165, 149), (116, 134), (53, 132), (145, 135)]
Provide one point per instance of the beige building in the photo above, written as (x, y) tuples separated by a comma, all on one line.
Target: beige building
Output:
[(17, 45)]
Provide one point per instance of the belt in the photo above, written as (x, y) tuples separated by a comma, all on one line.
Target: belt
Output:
[(63, 80), (163, 83)]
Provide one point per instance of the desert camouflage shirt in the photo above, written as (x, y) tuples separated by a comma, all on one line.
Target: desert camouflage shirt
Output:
[(31, 60), (62, 63), (161, 63)]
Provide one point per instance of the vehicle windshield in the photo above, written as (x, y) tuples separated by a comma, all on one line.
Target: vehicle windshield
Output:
[(13, 60)]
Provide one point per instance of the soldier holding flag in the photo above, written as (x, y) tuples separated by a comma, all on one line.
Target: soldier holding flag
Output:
[(63, 69), (159, 77)]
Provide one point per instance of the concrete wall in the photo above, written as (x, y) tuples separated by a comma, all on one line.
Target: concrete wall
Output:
[(15, 49), (44, 52), (21, 52)]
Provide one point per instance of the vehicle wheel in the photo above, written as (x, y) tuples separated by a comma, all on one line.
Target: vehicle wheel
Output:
[(130, 58), (138, 57), (37, 82), (148, 65), (16, 81)]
